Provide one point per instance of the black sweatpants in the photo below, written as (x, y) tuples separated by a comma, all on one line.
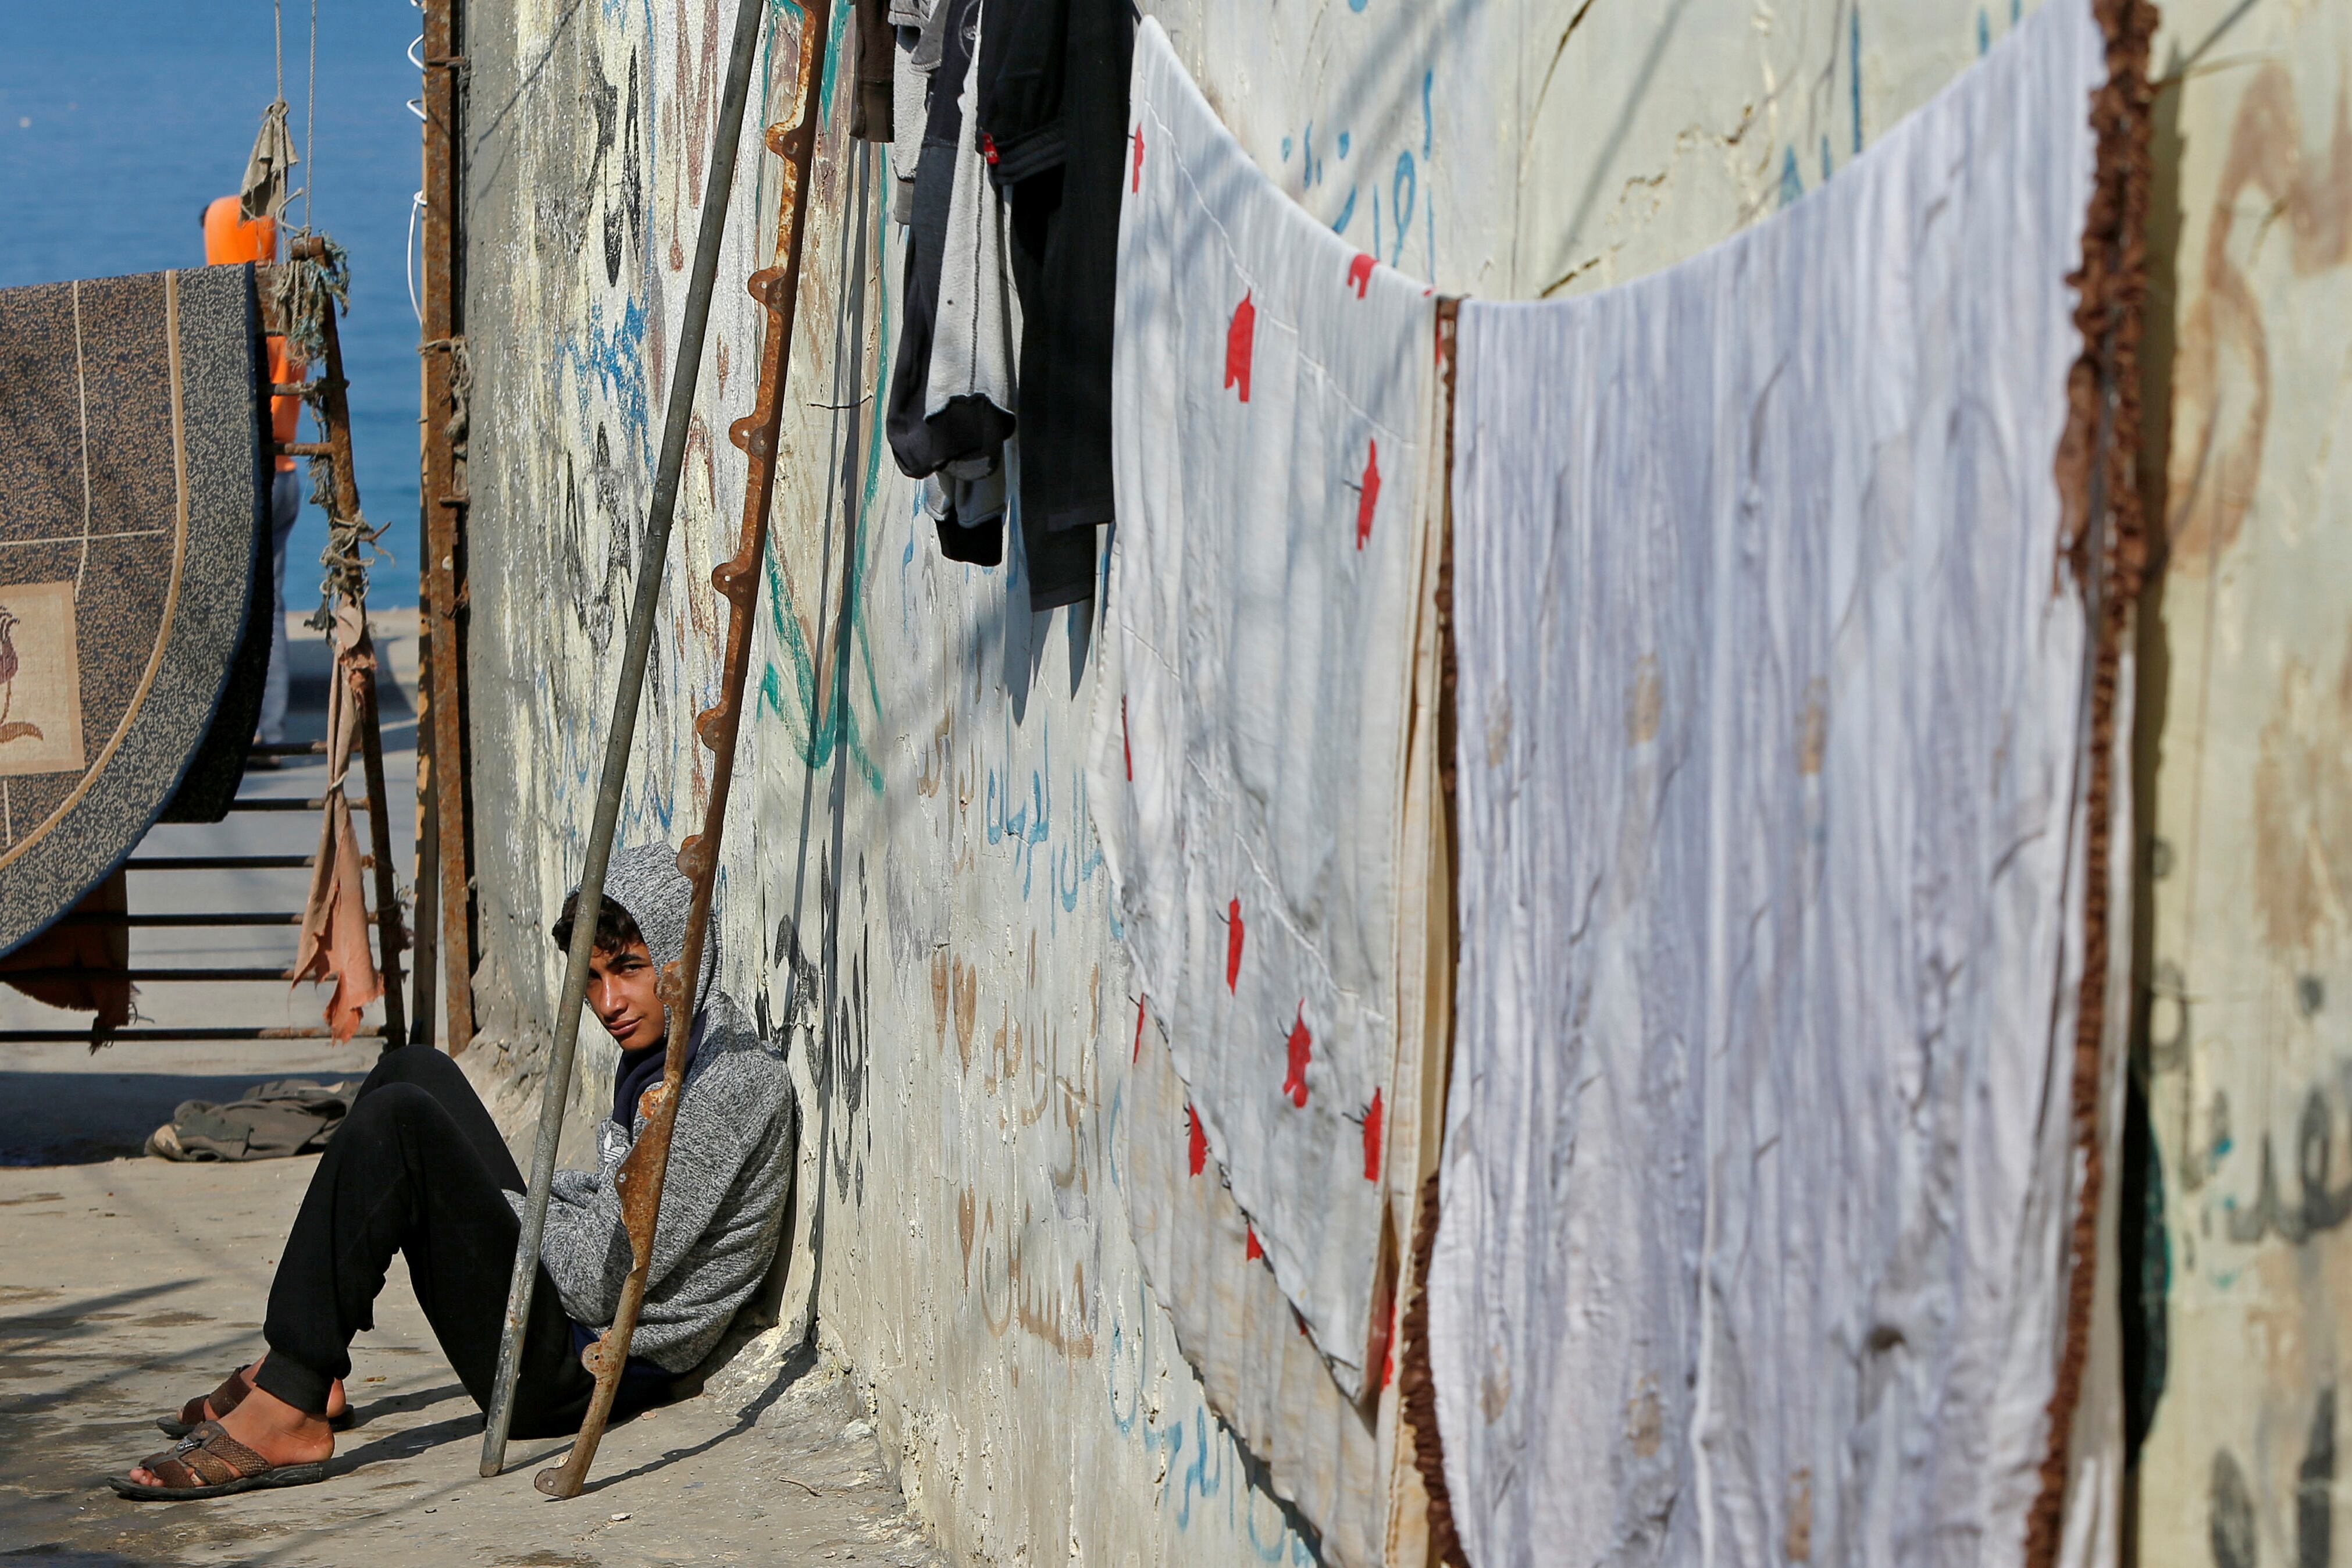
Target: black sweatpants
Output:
[(417, 1168)]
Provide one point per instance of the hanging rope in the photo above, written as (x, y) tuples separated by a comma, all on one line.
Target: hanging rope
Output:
[(306, 288), (316, 280), (310, 119), (269, 167)]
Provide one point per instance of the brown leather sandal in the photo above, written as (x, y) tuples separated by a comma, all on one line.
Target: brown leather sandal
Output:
[(223, 1399), (208, 1462)]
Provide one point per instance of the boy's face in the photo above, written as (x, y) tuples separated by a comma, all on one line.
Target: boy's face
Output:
[(621, 987)]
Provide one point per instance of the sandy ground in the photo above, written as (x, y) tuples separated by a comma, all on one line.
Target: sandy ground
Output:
[(129, 1285)]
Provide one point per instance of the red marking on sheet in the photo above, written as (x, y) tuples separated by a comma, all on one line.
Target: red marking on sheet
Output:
[(1239, 339), (1138, 1030), (1126, 742), (1197, 1141), (1139, 157), (1254, 1250), (1372, 1139), (1369, 496), (1387, 1362), (1359, 273), (1233, 943), (1302, 1045)]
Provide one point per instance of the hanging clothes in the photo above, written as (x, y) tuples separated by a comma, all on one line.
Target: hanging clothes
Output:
[(920, 27), (941, 424), (954, 390), (872, 105), (1273, 405), (1771, 756), (1052, 117)]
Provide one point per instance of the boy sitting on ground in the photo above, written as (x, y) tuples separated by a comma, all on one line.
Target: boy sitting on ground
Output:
[(418, 1168)]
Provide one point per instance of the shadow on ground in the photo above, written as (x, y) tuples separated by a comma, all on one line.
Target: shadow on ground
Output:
[(58, 1119)]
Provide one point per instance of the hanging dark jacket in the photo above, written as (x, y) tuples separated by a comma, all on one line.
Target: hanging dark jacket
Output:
[(1051, 106), (962, 441), (869, 106)]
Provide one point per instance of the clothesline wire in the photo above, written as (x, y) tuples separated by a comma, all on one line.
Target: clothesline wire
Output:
[(310, 119)]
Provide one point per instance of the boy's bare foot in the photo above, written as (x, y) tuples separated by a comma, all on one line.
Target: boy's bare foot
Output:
[(336, 1405), (271, 1428)]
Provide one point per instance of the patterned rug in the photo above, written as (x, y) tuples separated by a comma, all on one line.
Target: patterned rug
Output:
[(131, 462)]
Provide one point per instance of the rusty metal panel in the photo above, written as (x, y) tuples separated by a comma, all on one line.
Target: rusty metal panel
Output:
[(441, 744)]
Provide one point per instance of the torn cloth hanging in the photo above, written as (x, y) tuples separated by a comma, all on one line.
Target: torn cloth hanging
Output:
[(1771, 759), (263, 192), (334, 936), (1271, 413)]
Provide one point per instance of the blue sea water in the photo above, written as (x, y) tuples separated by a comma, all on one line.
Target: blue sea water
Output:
[(120, 118)]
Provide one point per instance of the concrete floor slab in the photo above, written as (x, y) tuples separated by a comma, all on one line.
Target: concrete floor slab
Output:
[(127, 1286)]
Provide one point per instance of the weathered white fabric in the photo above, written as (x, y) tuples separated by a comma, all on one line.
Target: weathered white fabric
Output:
[(1341, 1464), (1271, 411), (1262, 1378), (1771, 695)]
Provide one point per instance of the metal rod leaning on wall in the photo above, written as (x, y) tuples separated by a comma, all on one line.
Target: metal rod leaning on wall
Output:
[(611, 784), (642, 1173)]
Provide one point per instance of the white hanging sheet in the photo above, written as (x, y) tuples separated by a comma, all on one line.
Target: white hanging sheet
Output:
[(1771, 733), (1271, 412)]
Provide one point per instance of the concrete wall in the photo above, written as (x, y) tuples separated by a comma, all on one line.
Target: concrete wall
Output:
[(911, 888), (2246, 777)]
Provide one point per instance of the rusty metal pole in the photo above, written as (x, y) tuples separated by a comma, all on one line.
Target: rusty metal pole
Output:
[(642, 1173), (442, 498), (677, 419)]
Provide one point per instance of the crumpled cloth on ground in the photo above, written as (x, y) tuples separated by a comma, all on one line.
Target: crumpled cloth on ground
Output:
[(1272, 414), (1772, 732), (269, 1122)]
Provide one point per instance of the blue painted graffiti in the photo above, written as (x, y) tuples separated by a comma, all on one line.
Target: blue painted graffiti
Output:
[(1854, 53), (1402, 192)]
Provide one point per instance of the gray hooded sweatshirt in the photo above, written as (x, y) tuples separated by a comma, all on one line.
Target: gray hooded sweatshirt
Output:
[(730, 1159)]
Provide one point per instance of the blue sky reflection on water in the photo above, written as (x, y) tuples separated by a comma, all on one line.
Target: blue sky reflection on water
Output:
[(119, 119)]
